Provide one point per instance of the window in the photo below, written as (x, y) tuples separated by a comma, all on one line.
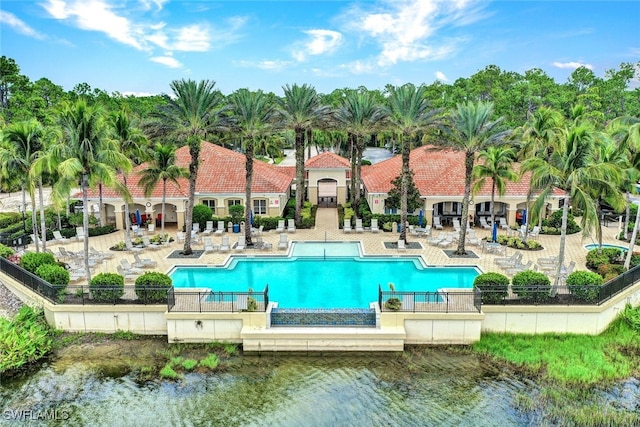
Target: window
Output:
[(390, 211), (211, 203), (260, 207), (233, 202)]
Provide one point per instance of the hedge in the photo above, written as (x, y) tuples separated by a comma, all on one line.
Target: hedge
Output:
[(153, 286), (496, 285), (32, 260), (585, 285), (531, 285), (107, 287)]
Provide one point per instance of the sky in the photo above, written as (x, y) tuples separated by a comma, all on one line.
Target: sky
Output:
[(140, 46)]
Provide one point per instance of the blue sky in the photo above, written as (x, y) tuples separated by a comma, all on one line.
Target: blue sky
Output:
[(140, 46)]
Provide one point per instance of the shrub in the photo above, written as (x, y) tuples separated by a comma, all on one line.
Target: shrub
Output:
[(494, 287), (584, 285), (99, 231), (56, 275), (169, 373), (595, 258), (210, 362), (107, 287), (153, 286), (5, 251), (531, 285), (237, 213), (189, 364), (201, 214), (609, 269), (555, 221), (32, 260)]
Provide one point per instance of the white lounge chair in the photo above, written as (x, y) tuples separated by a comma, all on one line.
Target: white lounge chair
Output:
[(257, 231), (143, 262), (132, 248), (208, 228), (240, 245), (446, 241), (126, 265), (147, 243), (179, 237), (518, 268), (535, 232), (359, 227), (195, 227), (128, 275), (347, 226), (284, 242), (509, 261), (483, 223), (291, 226), (58, 237), (374, 225), (224, 245), (99, 254), (151, 228), (472, 239), (456, 225), (280, 227), (436, 223), (80, 235), (401, 245), (503, 223), (220, 228), (209, 246), (437, 239)]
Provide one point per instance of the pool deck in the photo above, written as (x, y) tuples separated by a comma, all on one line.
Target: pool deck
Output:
[(327, 229)]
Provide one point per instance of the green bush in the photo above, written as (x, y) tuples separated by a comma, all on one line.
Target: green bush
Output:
[(237, 213), (153, 286), (595, 258), (210, 362), (32, 260), (584, 285), (555, 222), (56, 275), (201, 214), (5, 251), (605, 270), (107, 287), (10, 218), (496, 286), (531, 285), (98, 231)]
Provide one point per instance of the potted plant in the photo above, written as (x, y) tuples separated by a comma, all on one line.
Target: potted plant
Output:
[(393, 303), (237, 215)]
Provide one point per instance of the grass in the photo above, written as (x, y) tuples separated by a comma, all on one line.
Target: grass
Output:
[(210, 362)]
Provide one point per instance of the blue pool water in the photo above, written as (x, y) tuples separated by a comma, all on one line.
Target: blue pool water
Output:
[(591, 246), (319, 282)]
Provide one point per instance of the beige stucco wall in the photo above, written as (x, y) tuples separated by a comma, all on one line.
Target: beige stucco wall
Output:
[(435, 328), (207, 327)]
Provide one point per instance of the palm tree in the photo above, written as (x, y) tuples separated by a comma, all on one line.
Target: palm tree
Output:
[(360, 115), (162, 167), (572, 167), (195, 110), (253, 115), (132, 144), (22, 146), (469, 129), (408, 115), (301, 110), (496, 164), (85, 151)]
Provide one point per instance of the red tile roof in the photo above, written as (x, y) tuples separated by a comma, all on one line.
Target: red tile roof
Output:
[(327, 160), (221, 171), (436, 173)]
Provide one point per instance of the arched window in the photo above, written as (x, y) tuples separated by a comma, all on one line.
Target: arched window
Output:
[(211, 203)]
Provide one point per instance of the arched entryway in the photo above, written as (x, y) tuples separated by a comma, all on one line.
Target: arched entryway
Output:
[(327, 193)]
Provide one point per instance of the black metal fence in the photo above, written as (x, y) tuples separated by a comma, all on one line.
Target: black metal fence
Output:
[(430, 302), (189, 301), (28, 279)]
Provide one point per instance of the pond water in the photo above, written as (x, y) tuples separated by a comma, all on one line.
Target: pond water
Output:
[(427, 387)]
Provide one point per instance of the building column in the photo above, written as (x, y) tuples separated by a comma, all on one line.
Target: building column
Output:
[(119, 213)]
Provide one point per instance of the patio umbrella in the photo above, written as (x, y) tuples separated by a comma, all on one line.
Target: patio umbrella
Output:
[(138, 217), (251, 217), (524, 217), (494, 235), (420, 218)]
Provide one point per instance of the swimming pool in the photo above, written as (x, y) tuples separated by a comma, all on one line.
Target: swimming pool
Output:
[(314, 281), (591, 246)]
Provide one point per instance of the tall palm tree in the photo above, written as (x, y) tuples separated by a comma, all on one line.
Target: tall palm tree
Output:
[(301, 110), (132, 143), (408, 114), (162, 167), (85, 151), (469, 129), (495, 164), (572, 167), (253, 115), (23, 143), (195, 110), (360, 115)]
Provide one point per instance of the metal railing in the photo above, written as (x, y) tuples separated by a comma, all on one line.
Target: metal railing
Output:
[(179, 300), (28, 279), (430, 302)]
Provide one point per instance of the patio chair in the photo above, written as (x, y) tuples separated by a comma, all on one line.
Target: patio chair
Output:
[(518, 268), (58, 237), (126, 265), (456, 225), (374, 225), (401, 245), (195, 227), (261, 244), (359, 227), (147, 244), (220, 228), (347, 226), (291, 226), (483, 223), (179, 237), (136, 230), (208, 229), (284, 242), (128, 275), (257, 231), (436, 223), (549, 261), (144, 262), (195, 238), (224, 244), (151, 228), (509, 261), (240, 245), (64, 254), (280, 227), (535, 232), (436, 239), (132, 248), (564, 272), (99, 254), (472, 239), (209, 246), (503, 223), (80, 233), (446, 241)]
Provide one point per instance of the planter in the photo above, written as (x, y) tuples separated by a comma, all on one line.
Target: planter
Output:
[(236, 228)]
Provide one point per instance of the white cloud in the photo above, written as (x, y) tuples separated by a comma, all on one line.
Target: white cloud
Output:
[(148, 4), (9, 19), (321, 42), (407, 30), (441, 76), (194, 38), (267, 64), (572, 65), (138, 94), (169, 61), (359, 67)]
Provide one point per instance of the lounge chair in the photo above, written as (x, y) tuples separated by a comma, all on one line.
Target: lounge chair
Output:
[(126, 265), (535, 232), (58, 237), (195, 238), (280, 227), (566, 271), (208, 228), (132, 248), (128, 275), (549, 261), (483, 223), (347, 226), (374, 225), (209, 246), (284, 242), (99, 254), (257, 231), (518, 268), (472, 239), (80, 233), (446, 241), (151, 228), (436, 223), (359, 227), (401, 245), (179, 237), (291, 226), (456, 225), (436, 239), (509, 261), (195, 227), (503, 223), (143, 262), (240, 245), (224, 244), (220, 228), (147, 243)]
